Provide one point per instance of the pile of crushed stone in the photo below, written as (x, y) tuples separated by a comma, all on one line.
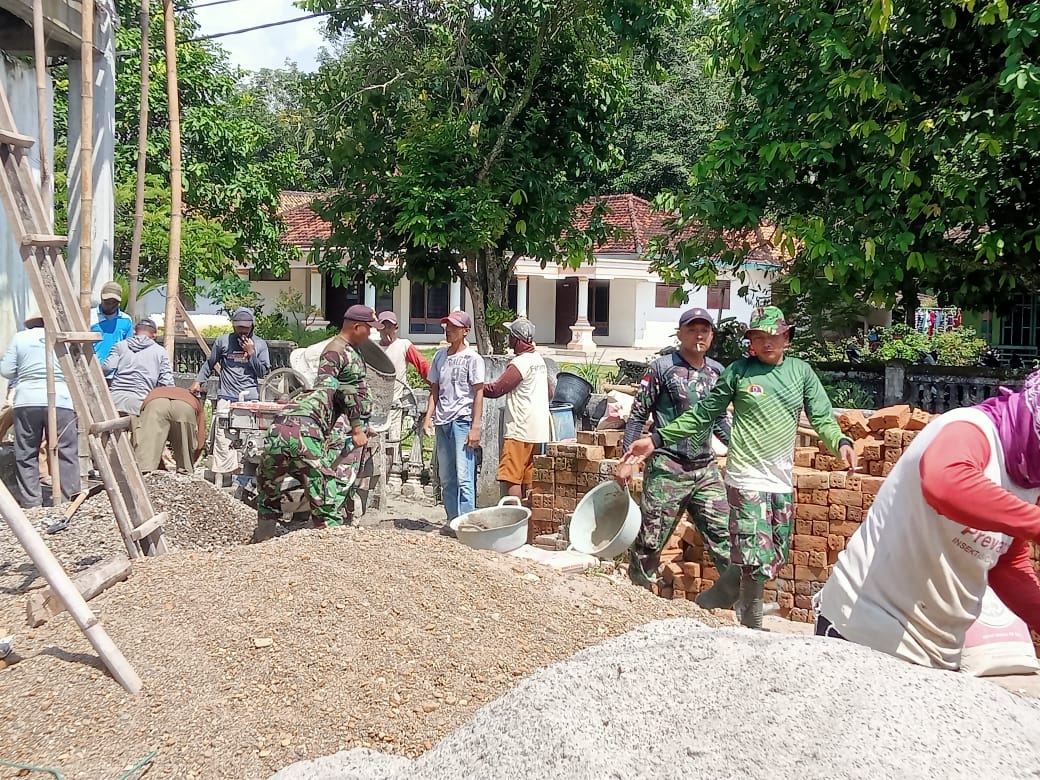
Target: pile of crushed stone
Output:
[(257, 656), (677, 699), (201, 517)]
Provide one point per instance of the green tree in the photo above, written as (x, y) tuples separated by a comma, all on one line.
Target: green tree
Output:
[(233, 169), (672, 114), (462, 134), (895, 142)]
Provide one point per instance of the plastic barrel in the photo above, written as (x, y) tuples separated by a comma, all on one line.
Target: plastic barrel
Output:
[(562, 418), (572, 389)]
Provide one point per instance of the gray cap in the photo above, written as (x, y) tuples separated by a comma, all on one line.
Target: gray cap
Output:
[(242, 315), (146, 322), (522, 329)]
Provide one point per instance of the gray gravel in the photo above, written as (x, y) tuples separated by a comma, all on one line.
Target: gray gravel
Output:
[(201, 518), (677, 699)]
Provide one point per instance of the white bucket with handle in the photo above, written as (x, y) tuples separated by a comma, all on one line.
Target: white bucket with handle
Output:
[(501, 528), (606, 521)]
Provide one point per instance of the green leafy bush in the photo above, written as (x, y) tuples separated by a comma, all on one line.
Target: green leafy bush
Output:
[(849, 395), (959, 347)]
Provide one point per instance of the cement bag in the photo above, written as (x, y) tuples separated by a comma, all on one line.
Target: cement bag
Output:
[(998, 642)]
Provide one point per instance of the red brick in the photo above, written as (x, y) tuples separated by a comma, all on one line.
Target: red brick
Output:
[(871, 485), (894, 438), (785, 600), (823, 463), (835, 542), (799, 558), (787, 571), (890, 417), (817, 558), (543, 462), (854, 514), (803, 496), (819, 497), (820, 527), (692, 570), (845, 529), (811, 573), (908, 438), (918, 419), (810, 512), (886, 468), (838, 479), (846, 497), (589, 452), (838, 512), (893, 454), (800, 616), (832, 557), (854, 482), (868, 449), (803, 456), (803, 602), (803, 526), (566, 503), (804, 542), (875, 468), (868, 501), (813, 481), (803, 588), (853, 424)]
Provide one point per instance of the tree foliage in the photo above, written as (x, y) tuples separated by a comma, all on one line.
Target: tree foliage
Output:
[(672, 114), (462, 134), (233, 167), (895, 142)]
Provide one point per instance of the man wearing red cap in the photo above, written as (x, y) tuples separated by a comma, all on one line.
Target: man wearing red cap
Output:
[(454, 412)]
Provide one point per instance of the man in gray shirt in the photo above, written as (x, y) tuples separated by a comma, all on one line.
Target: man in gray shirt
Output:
[(244, 360), (139, 365)]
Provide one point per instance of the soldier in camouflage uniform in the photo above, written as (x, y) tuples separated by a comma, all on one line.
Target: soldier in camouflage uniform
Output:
[(342, 361), (680, 477), (300, 443)]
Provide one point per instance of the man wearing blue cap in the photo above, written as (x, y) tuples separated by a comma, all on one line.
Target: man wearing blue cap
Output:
[(244, 360), (680, 477)]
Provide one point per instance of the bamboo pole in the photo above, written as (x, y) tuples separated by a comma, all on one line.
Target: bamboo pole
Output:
[(40, 65), (52, 419), (174, 270), (142, 158), (67, 592), (86, 159), (40, 58)]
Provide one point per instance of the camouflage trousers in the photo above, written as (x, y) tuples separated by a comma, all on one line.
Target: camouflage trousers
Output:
[(296, 447), (760, 526), (669, 488)]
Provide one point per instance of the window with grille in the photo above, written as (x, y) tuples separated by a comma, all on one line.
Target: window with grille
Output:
[(667, 296), (719, 295)]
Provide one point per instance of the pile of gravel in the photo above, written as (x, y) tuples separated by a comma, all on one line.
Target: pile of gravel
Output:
[(201, 517), (675, 698)]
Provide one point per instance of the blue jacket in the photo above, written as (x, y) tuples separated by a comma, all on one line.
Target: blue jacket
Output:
[(26, 362), (113, 329)]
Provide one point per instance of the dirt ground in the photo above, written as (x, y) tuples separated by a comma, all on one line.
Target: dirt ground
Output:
[(254, 657)]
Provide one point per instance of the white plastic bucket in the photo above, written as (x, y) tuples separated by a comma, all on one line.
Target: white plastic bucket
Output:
[(605, 522)]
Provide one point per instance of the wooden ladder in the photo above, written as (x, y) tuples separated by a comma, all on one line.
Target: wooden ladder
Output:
[(107, 433)]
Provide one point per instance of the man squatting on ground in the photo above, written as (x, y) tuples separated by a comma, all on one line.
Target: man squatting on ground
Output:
[(525, 384), (768, 392), (455, 409), (681, 476), (956, 514), (244, 360), (401, 353)]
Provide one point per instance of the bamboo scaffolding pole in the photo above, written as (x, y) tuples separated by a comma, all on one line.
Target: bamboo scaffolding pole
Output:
[(40, 66), (174, 269), (142, 159), (67, 593), (86, 159)]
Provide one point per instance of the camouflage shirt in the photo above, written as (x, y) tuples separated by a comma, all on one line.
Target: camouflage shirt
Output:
[(342, 361), (324, 405), (670, 387)]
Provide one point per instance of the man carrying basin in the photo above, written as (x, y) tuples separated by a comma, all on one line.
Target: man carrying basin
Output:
[(768, 391), (681, 476)]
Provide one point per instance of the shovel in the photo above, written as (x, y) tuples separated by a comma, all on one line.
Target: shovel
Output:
[(74, 505)]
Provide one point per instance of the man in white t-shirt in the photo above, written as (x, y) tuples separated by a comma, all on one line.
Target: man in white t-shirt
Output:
[(456, 406), (401, 352), (525, 384)]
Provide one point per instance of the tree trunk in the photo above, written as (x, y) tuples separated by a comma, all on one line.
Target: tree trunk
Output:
[(173, 276), (487, 280)]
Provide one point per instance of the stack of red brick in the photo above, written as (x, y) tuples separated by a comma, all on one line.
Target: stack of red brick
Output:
[(879, 440), (566, 473)]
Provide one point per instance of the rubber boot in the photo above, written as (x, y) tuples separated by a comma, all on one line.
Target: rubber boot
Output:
[(723, 594), (749, 604)]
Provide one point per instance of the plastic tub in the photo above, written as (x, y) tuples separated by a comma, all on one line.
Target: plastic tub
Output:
[(501, 528), (605, 522), (562, 418), (574, 390)]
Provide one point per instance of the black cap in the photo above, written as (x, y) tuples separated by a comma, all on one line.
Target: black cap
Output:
[(691, 315)]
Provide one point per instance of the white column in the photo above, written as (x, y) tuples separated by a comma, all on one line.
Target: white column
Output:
[(370, 295), (581, 330), (103, 234), (521, 296), (455, 295), (317, 288)]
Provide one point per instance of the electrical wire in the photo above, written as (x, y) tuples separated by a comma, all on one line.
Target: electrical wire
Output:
[(190, 7), (257, 27)]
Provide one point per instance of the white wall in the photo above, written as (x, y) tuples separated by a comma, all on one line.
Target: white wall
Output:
[(19, 82), (541, 308), (624, 314)]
